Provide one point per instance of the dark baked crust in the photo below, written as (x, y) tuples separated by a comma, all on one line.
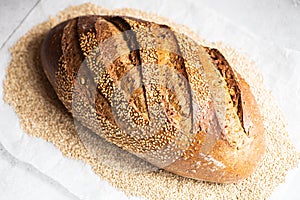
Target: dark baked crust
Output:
[(193, 141), (230, 78), (52, 46)]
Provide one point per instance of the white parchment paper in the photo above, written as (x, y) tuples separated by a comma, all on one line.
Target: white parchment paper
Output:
[(74, 179)]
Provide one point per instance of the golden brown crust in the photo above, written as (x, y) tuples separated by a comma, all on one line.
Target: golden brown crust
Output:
[(179, 105), (226, 163)]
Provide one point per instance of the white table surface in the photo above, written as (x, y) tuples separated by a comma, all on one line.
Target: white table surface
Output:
[(272, 27)]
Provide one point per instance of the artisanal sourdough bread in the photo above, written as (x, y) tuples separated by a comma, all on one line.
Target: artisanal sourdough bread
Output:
[(157, 94)]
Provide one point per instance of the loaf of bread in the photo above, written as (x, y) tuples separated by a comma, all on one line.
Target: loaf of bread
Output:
[(157, 94)]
